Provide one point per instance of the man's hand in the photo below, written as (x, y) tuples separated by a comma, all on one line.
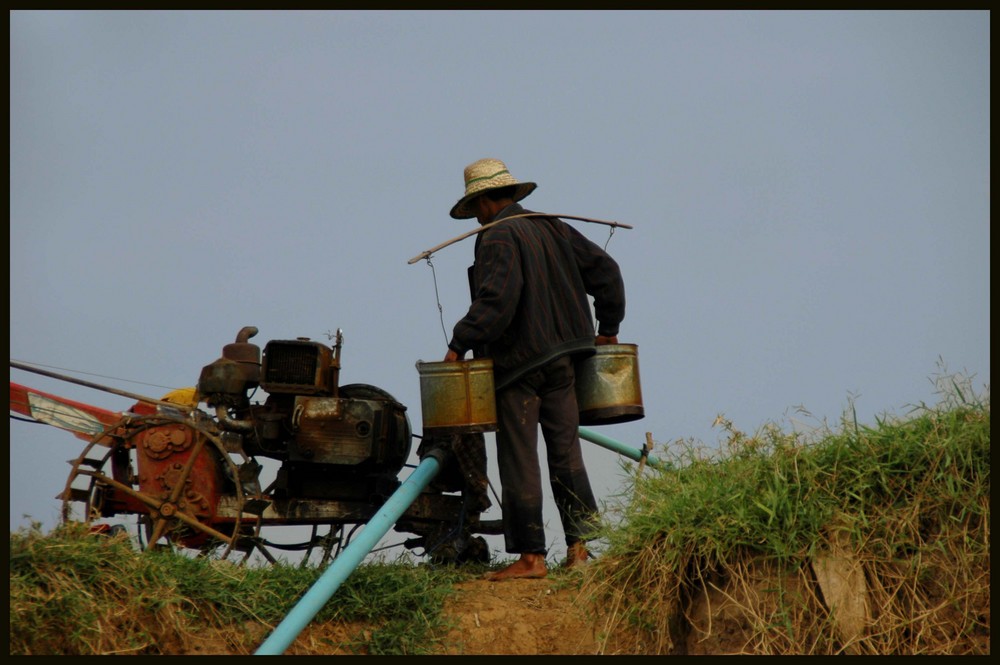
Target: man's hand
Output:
[(451, 356), (601, 340)]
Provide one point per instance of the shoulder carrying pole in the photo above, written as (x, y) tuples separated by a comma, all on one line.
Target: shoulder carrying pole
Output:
[(424, 255)]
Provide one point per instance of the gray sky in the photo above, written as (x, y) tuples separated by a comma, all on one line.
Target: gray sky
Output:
[(809, 191)]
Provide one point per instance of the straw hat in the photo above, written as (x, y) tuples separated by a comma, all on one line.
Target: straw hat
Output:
[(484, 175)]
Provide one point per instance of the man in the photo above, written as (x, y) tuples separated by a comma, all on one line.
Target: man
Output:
[(530, 314)]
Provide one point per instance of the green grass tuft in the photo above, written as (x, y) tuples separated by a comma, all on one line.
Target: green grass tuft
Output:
[(72, 593)]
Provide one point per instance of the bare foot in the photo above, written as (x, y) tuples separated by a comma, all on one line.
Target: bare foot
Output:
[(529, 566), (577, 556)]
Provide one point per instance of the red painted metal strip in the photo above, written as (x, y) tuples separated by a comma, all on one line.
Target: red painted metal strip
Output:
[(83, 420)]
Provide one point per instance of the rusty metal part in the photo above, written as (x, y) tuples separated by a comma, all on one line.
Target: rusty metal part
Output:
[(183, 471), (165, 441)]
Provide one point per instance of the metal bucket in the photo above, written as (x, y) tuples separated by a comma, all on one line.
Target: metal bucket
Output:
[(457, 397), (607, 385)]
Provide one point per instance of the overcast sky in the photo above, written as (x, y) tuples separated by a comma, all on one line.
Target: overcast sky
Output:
[(809, 193)]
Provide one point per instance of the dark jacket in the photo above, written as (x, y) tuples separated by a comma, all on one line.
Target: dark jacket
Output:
[(530, 280)]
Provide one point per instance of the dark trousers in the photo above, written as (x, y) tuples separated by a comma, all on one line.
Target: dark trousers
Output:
[(545, 397)]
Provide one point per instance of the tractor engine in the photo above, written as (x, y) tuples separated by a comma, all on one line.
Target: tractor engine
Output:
[(334, 442)]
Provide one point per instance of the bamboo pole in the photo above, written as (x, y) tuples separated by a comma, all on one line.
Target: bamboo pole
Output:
[(424, 255)]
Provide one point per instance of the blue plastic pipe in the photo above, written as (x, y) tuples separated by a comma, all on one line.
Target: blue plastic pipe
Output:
[(352, 556), (619, 447)]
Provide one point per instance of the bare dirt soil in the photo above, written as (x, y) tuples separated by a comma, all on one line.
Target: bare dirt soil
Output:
[(520, 617)]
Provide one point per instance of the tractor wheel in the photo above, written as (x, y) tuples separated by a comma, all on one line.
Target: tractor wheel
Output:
[(104, 480)]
